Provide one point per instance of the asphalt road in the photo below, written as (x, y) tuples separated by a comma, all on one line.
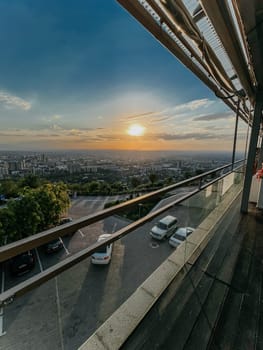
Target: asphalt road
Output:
[(64, 312)]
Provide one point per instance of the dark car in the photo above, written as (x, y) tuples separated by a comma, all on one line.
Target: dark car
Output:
[(65, 221), (53, 246), (22, 263)]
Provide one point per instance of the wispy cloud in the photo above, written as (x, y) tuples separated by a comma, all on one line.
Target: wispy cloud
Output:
[(214, 116), (12, 101), (191, 105), (183, 110), (137, 116), (186, 136)]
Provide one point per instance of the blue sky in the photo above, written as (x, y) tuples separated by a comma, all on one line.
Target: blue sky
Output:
[(77, 74)]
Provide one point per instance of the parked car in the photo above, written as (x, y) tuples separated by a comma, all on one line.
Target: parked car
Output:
[(65, 220), (22, 263), (180, 235), (102, 256), (53, 246), (164, 228)]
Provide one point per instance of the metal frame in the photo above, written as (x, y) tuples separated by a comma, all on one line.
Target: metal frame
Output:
[(252, 151), (191, 61)]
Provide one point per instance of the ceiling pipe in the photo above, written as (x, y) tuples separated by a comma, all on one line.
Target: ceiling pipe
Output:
[(142, 16), (184, 20), (165, 19), (219, 14)]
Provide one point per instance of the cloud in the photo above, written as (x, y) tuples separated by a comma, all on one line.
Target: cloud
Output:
[(47, 135), (181, 111), (137, 116), (193, 105), (209, 117), (11, 101), (161, 119), (6, 134), (187, 136)]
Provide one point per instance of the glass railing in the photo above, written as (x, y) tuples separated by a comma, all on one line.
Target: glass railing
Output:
[(78, 295)]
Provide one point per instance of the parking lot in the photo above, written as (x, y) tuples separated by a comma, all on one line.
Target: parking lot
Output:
[(65, 311)]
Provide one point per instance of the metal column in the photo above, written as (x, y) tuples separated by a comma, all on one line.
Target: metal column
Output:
[(235, 135), (252, 152)]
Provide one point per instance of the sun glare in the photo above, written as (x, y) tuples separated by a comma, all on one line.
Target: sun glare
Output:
[(136, 130)]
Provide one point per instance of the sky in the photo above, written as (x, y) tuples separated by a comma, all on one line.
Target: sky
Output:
[(79, 74)]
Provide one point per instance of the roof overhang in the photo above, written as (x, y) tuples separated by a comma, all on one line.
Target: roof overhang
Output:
[(220, 41)]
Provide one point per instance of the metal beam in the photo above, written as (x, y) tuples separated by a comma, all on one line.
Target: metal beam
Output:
[(219, 15), (235, 135), (150, 23), (252, 151)]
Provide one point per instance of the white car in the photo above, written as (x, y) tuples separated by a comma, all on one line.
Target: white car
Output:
[(103, 255), (164, 227), (180, 235)]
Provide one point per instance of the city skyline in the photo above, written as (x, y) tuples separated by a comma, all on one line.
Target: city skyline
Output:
[(79, 76)]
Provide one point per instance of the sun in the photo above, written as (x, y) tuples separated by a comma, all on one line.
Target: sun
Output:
[(136, 130)]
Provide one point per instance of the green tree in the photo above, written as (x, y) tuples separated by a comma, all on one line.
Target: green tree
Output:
[(31, 181), (28, 215), (105, 188), (53, 200), (135, 181), (7, 225), (34, 211), (152, 178), (169, 180), (9, 188), (93, 187), (118, 187)]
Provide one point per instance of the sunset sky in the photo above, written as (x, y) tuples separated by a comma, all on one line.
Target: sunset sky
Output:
[(78, 74)]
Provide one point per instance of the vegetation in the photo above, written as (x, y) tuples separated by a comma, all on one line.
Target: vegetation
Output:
[(33, 204), (35, 210)]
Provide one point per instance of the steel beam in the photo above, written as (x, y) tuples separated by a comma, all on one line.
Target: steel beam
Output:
[(252, 151), (235, 135), (150, 23), (219, 14)]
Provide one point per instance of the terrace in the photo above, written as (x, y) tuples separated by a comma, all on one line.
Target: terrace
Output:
[(208, 291)]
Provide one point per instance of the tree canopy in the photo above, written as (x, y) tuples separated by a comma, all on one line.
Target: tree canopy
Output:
[(34, 211)]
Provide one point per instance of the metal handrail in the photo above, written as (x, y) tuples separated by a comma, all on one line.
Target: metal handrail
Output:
[(15, 248), (12, 249)]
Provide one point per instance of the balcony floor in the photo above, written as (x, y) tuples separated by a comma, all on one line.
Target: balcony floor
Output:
[(219, 304), (229, 292), (240, 325)]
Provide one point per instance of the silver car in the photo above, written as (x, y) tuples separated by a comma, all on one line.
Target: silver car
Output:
[(180, 235), (164, 227)]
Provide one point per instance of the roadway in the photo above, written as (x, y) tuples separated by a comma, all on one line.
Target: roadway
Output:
[(65, 311)]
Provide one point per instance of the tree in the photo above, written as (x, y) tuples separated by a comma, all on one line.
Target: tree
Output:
[(135, 181), (93, 187), (53, 200), (7, 225), (152, 178), (31, 181), (169, 180), (105, 188), (117, 186), (9, 188), (28, 216)]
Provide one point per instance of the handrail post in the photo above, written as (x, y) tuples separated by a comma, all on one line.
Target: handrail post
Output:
[(235, 135)]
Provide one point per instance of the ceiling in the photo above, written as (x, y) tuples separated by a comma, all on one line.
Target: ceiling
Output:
[(220, 41)]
